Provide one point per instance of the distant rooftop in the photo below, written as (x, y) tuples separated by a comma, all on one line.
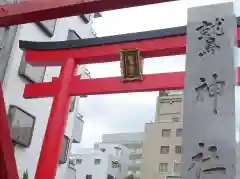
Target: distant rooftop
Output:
[(82, 151), (121, 138), (170, 92)]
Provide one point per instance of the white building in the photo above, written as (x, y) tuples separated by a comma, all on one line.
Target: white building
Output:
[(34, 113), (105, 161), (134, 142)]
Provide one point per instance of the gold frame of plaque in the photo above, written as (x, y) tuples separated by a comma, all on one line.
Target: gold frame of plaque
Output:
[(131, 64)]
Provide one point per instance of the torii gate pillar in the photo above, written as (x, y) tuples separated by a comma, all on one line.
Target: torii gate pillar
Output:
[(48, 160), (209, 96)]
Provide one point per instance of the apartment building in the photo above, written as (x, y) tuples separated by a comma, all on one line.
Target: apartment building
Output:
[(29, 116), (105, 161), (162, 140), (134, 142)]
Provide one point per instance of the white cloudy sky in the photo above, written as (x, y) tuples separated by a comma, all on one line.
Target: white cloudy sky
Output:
[(129, 112)]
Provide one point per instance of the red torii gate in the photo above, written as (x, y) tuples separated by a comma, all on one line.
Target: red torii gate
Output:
[(70, 53)]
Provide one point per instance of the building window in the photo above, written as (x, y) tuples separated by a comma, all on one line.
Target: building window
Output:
[(115, 164), (103, 150), (73, 35), (72, 104), (79, 116), (21, 124), (47, 26), (166, 132), (86, 18), (64, 150), (163, 167), (88, 176), (79, 161), (97, 14), (31, 73), (164, 150), (178, 149), (7, 36), (176, 167), (120, 167), (110, 177), (85, 74), (71, 165), (97, 161), (179, 132), (118, 151), (137, 172)]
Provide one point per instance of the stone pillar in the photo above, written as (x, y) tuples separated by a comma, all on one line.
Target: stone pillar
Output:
[(209, 96)]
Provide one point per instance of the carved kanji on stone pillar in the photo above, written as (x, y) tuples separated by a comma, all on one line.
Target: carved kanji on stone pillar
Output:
[(213, 89), (209, 95)]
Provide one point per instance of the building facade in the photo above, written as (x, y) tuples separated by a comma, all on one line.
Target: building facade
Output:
[(238, 160), (162, 141), (134, 142), (105, 161), (28, 117)]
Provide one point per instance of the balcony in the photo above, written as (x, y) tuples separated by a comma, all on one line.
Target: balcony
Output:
[(136, 174), (134, 165), (71, 170), (135, 154), (85, 74), (116, 164), (133, 145), (98, 14), (78, 128), (94, 33)]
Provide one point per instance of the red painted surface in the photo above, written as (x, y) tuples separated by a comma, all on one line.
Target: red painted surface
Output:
[(50, 152), (66, 85), (153, 82), (238, 36), (33, 11), (110, 52), (238, 76), (8, 167)]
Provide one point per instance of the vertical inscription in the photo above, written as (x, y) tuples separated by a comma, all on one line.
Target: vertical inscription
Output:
[(208, 32), (209, 96), (201, 159), (213, 89)]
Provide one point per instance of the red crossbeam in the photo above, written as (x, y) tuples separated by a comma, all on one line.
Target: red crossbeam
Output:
[(33, 11), (152, 82), (110, 52)]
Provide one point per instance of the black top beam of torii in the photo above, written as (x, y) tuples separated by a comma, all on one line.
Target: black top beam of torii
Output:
[(130, 37)]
